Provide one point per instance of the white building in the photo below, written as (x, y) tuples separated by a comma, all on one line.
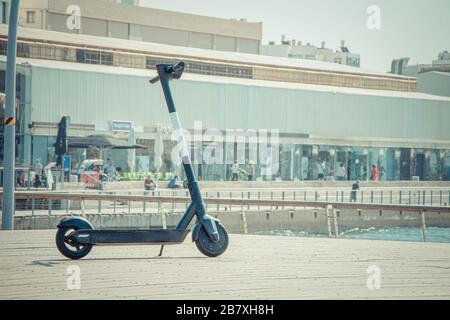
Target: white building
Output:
[(298, 50), (432, 78), (109, 18)]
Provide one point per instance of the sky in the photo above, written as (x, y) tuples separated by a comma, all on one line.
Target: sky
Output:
[(407, 28)]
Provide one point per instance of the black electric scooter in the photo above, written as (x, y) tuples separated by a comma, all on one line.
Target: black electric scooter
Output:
[(76, 236)]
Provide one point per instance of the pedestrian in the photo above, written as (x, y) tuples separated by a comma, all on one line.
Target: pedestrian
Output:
[(173, 184), (149, 184), (374, 173), (341, 172), (381, 173), (235, 171), (250, 171), (37, 167), (355, 187), (320, 171)]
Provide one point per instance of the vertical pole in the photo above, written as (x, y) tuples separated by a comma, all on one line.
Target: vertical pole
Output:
[(248, 197), (32, 206), (294, 199), (244, 220), (400, 197), (336, 229), (49, 207), (329, 207), (431, 194), (381, 196), (10, 118), (424, 226), (129, 203), (114, 204), (259, 198), (218, 198)]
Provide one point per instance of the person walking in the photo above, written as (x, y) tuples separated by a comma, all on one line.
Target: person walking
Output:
[(320, 171), (355, 188), (235, 171), (250, 171), (37, 168), (341, 172), (374, 173)]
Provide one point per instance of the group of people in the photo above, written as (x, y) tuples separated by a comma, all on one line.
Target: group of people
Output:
[(375, 173), (236, 171)]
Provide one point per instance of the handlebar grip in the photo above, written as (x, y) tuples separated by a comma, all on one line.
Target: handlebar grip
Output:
[(154, 80), (178, 66)]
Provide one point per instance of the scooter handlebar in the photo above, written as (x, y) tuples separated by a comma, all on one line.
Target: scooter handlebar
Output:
[(172, 70)]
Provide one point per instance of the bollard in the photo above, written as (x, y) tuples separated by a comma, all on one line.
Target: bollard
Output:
[(248, 197), (32, 206), (371, 196), (431, 195), (99, 206), (400, 197), (381, 196)]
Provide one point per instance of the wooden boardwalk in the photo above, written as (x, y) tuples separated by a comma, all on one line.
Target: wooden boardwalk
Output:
[(254, 267)]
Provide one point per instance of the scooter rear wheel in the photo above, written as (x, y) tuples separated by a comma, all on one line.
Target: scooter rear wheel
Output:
[(208, 247), (69, 248)]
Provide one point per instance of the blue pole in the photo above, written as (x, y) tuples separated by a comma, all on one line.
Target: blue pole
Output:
[(10, 119)]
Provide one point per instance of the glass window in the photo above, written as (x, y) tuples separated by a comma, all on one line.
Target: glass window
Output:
[(31, 16)]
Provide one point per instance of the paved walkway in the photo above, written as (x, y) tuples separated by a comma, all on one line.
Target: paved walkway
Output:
[(254, 267)]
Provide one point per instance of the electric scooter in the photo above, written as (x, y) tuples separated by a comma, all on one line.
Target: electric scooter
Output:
[(76, 236)]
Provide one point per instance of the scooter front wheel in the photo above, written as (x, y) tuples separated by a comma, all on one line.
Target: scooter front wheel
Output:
[(69, 248), (210, 248)]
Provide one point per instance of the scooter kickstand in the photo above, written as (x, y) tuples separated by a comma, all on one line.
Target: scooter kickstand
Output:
[(161, 251)]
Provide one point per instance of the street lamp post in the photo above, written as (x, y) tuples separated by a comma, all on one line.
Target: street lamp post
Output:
[(10, 120)]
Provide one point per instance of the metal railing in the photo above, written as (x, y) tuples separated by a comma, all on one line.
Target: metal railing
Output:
[(54, 201)]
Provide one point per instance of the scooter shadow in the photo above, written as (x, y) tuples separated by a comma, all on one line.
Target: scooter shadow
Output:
[(55, 262)]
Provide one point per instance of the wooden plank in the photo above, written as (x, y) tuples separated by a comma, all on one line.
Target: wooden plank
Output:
[(254, 267)]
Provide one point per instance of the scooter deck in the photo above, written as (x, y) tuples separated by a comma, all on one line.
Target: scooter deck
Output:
[(152, 237)]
